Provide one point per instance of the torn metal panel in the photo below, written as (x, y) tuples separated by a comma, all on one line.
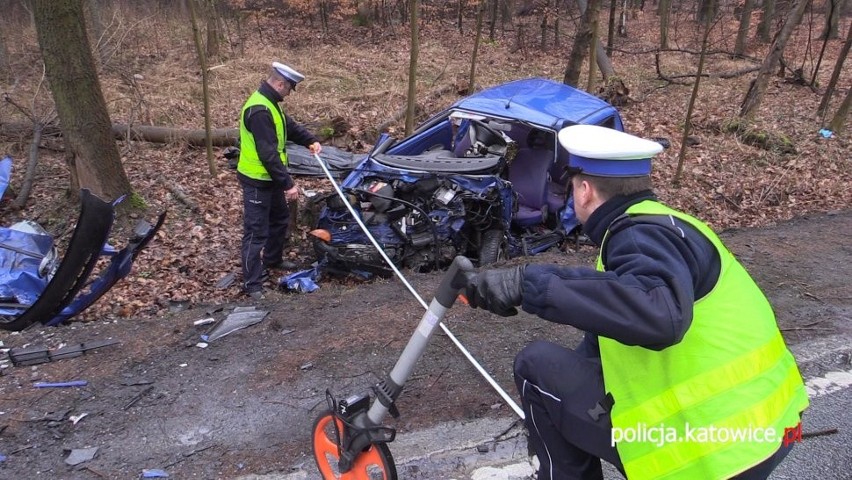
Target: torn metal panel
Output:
[(236, 321)]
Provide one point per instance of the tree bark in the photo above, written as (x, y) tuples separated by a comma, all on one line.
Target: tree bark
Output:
[(665, 9), (765, 25), (754, 96), (707, 11), (29, 175), (80, 104), (471, 80), (832, 19), (839, 119), (687, 127), (202, 60), (412, 66), (4, 57), (212, 29), (835, 75), (603, 61), (97, 12), (610, 31), (583, 42), (745, 24)]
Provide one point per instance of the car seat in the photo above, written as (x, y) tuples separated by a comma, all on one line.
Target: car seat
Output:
[(528, 173), (559, 182)]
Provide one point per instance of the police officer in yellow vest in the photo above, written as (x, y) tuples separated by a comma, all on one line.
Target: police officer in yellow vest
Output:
[(263, 175), (682, 373)]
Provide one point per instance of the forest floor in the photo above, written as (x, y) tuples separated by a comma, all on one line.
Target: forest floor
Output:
[(245, 403)]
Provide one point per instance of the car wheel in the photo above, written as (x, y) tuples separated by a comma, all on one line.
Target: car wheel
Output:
[(492, 247)]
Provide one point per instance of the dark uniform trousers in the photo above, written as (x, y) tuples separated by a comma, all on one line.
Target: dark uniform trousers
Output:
[(265, 220), (568, 414)]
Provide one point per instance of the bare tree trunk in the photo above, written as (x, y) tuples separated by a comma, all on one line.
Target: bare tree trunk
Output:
[(765, 25), (240, 39), (832, 17), (4, 56), (622, 20), (544, 13), (603, 61), (687, 127), (839, 119), (29, 175), (835, 75), (212, 29), (582, 43), (80, 103), (412, 66), (594, 9), (460, 9), (754, 96), (471, 81), (493, 25), (97, 12), (665, 10), (707, 11), (745, 24), (202, 61), (610, 33)]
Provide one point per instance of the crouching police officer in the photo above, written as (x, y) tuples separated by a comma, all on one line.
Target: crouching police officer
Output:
[(682, 372), (262, 172)]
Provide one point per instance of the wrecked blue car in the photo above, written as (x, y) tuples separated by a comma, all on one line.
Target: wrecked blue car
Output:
[(37, 285), (486, 178)]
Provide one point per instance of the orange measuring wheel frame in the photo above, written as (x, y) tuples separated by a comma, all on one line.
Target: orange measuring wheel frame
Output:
[(375, 462), (349, 441)]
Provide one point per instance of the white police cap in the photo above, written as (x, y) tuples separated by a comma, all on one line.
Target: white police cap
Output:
[(605, 152), (288, 73)]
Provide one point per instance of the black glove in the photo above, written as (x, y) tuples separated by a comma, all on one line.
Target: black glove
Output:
[(498, 291)]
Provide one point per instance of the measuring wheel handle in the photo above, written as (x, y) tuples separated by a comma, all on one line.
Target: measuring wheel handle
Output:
[(349, 441)]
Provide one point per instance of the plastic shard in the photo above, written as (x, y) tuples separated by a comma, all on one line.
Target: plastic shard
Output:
[(236, 321)]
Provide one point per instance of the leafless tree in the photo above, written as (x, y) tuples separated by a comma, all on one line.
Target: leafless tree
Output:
[(410, 111), (835, 75), (754, 96), (80, 104)]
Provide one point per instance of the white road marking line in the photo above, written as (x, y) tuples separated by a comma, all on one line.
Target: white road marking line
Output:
[(830, 383)]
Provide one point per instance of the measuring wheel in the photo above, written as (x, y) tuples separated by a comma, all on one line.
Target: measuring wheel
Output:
[(373, 463)]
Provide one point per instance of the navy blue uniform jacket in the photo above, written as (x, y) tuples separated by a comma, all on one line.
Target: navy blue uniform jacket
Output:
[(656, 269), (258, 120)]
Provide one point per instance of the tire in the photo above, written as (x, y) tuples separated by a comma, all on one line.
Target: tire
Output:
[(492, 247), (374, 463)]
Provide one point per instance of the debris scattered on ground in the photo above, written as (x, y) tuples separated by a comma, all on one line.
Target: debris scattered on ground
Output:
[(307, 366), (202, 345), (76, 418), (137, 397), (80, 455), (204, 321), (226, 281), (242, 317), (154, 473), (72, 383), (39, 354)]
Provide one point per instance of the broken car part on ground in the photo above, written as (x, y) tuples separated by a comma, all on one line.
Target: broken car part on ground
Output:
[(37, 286)]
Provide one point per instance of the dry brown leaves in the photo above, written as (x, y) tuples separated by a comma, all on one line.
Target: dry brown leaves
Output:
[(360, 74)]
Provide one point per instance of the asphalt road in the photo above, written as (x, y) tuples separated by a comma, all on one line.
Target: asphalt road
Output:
[(496, 450)]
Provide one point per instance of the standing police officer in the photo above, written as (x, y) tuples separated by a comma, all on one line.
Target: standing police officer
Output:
[(262, 172), (682, 372)]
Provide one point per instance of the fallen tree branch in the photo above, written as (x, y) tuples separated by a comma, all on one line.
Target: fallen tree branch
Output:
[(29, 176), (221, 137), (179, 194)]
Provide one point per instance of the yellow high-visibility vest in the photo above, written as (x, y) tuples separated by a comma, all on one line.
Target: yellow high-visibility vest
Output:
[(720, 400), (250, 164)]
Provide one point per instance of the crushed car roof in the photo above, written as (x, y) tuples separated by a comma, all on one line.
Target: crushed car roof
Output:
[(536, 100)]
